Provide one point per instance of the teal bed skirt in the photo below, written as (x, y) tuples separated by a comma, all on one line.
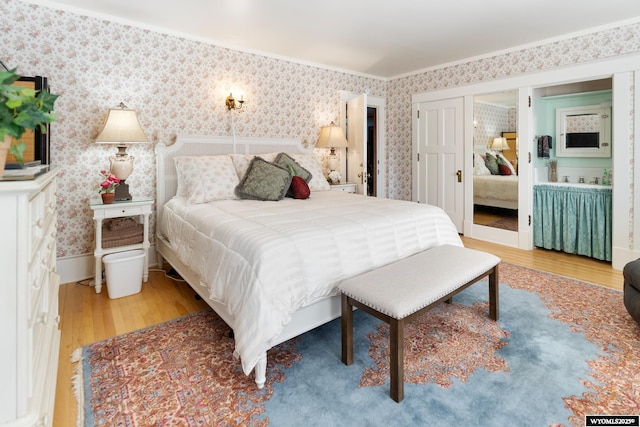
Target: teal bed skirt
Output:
[(576, 220)]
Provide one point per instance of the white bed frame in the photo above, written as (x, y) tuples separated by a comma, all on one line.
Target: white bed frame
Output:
[(306, 318)]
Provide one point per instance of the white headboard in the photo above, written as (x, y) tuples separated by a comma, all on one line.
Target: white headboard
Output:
[(205, 145)]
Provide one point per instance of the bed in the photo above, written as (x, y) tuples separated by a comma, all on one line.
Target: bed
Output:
[(270, 268), (498, 191), (494, 190)]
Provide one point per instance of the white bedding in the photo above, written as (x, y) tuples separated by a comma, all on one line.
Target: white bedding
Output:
[(264, 260), (496, 187)]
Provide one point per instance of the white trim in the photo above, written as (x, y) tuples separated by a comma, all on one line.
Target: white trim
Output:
[(622, 188), (635, 184)]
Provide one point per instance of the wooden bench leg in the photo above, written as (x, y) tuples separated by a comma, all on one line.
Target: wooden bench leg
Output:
[(396, 359), (494, 300), (347, 331)]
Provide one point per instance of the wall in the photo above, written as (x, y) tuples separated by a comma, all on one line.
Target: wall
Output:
[(489, 122), (177, 86)]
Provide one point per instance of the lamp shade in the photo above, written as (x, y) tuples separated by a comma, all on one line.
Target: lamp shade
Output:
[(121, 127), (332, 136), (499, 144)]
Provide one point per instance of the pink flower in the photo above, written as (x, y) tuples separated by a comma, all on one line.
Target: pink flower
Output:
[(109, 183)]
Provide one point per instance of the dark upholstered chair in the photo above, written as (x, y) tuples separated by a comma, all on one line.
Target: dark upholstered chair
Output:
[(631, 275)]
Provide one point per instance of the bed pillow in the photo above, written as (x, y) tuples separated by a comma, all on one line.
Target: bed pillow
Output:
[(309, 161), (264, 181), (205, 179), (284, 160), (492, 164), (503, 160), (504, 169), (242, 161), (299, 189), (479, 168)]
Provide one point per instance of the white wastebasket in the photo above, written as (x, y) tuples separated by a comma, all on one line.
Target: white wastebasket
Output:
[(123, 271)]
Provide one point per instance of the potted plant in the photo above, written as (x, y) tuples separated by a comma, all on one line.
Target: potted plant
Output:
[(108, 186), (21, 109)]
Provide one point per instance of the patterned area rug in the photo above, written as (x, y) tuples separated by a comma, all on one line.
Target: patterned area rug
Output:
[(562, 349), (506, 223)]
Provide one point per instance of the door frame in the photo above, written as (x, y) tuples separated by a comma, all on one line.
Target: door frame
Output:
[(623, 70), (380, 104)]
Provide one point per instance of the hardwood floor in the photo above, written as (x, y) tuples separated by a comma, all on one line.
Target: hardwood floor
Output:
[(87, 317)]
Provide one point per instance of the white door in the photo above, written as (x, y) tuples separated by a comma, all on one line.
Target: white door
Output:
[(357, 137), (439, 149)]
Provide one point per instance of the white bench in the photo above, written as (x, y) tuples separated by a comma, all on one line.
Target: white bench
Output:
[(402, 290)]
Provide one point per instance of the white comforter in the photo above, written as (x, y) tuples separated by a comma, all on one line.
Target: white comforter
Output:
[(264, 260), (497, 187)]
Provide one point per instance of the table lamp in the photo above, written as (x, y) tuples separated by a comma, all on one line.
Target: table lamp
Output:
[(121, 128)]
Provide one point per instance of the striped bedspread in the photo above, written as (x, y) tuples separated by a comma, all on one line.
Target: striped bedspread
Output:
[(264, 260)]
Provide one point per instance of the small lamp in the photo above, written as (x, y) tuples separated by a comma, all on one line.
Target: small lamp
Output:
[(121, 128), (500, 144), (332, 136)]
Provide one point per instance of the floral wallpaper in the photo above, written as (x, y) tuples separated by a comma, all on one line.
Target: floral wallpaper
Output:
[(178, 86), (489, 121)]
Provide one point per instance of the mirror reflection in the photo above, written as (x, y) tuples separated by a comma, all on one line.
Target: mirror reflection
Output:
[(495, 177)]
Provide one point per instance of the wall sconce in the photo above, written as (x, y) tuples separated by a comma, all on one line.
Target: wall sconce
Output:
[(332, 136), (232, 103), (500, 144), (121, 128)]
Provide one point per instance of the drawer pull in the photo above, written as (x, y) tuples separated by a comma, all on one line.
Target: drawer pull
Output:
[(42, 318)]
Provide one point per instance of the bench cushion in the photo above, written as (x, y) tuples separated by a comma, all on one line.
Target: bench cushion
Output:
[(406, 286)]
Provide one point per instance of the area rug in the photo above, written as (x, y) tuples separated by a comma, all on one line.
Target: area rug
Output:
[(506, 223), (562, 349)]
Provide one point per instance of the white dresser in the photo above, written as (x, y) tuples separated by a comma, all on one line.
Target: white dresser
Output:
[(29, 285)]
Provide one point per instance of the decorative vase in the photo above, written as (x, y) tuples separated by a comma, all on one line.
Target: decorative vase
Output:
[(107, 198), (553, 171)]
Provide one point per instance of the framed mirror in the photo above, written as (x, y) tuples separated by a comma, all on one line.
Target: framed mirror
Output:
[(495, 191)]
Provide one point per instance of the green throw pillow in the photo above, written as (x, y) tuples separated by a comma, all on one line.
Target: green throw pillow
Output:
[(492, 164), (264, 181), (284, 160)]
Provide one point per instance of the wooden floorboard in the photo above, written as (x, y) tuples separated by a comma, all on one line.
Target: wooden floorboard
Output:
[(87, 317)]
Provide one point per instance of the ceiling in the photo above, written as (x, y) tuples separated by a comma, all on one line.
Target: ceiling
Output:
[(374, 37)]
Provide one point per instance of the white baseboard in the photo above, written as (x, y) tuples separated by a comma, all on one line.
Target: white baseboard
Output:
[(621, 256), (80, 267)]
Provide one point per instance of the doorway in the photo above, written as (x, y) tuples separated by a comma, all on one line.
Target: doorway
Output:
[(372, 152), (366, 154)]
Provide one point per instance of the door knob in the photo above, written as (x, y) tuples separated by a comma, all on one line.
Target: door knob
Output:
[(459, 173)]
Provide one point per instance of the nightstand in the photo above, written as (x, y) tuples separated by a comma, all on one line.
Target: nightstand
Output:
[(347, 187), (140, 207)]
